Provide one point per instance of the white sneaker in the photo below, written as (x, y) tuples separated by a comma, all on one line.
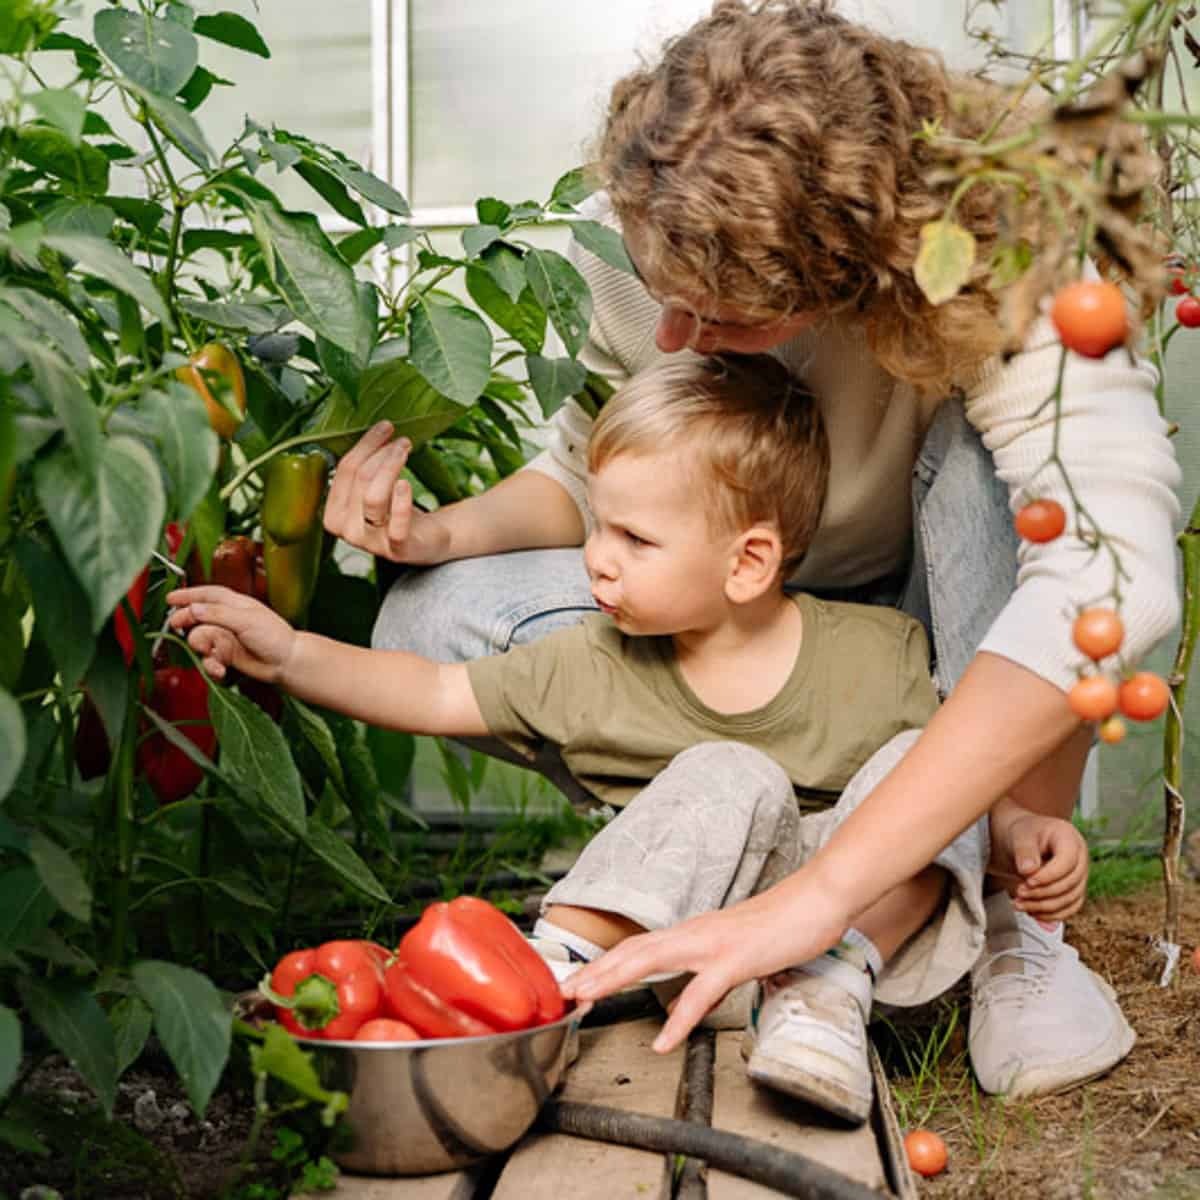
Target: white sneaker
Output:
[(1041, 1022), (808, 1036)]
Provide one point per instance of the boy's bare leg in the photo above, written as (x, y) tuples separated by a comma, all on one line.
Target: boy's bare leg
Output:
[(894, 918), (603, 929)]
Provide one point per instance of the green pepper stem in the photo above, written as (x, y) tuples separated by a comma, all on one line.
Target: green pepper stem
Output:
[(314, 1003)]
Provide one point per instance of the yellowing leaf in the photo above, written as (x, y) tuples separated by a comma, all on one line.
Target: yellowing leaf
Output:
[(944, 261)]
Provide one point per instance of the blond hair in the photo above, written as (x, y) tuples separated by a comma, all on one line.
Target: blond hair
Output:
[(749, 436), (769, 159)]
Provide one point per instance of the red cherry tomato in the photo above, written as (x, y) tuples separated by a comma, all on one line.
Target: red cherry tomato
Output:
[(1178, 285), (1041, 521), (384, 1029), (1098, 632), (1187, 312), (926, 1152), (1143, 696), (1090, 317), (1093, 698), (1112, 731)]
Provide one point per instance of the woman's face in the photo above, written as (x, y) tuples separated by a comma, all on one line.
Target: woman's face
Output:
[(694, 322)]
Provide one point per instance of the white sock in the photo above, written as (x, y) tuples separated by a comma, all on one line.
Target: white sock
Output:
[(857, 948), (579, 949)]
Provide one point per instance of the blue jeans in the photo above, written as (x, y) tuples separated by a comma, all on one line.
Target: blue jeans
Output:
[(963, 570)]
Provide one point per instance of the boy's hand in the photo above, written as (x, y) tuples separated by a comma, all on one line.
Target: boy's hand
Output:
[(1049, 857), (228, 629)]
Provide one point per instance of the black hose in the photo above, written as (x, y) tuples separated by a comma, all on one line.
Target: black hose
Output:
[(784, 1170), (697, 1109)]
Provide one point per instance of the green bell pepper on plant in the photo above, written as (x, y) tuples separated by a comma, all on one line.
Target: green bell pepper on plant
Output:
[(294, 488), (292, 573)]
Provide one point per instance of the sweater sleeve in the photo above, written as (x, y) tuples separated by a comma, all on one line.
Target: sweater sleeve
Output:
[(1113, 446)]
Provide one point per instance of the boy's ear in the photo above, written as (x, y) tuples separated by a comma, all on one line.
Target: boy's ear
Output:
[(758, 557)]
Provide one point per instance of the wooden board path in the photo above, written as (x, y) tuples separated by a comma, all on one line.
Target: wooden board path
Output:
[(617, 1068)]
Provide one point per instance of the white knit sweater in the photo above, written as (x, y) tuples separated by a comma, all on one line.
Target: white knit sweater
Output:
[(1112, 441)]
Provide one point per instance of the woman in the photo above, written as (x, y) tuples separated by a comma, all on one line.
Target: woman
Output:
[(770, 190)]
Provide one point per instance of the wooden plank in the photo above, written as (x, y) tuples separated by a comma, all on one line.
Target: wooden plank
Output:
[(889, 1135), (453, 1185), (742, 1106), (616, 1067)]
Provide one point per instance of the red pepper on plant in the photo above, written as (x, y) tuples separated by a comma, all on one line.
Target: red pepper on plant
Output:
[(464, 969), (180, 698), (137, 601), (329, 991)]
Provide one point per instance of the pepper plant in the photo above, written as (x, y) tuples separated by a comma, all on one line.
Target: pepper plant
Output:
[(182, 358)]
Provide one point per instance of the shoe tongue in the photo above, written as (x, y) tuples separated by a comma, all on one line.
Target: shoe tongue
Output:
[(1003, 933)]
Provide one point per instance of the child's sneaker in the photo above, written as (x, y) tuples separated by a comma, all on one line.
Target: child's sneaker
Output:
[(1041, 1022), (808, 1036)]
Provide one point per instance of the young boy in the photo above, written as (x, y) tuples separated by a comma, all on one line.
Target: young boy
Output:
[(721, 714)]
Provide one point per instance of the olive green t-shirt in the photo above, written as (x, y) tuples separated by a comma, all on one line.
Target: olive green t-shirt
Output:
[(619, 708)]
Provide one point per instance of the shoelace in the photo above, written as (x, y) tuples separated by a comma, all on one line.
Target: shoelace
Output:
[(797, 1006), (1012, 987)]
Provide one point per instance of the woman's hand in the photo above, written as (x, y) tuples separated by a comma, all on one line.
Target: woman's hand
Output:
[(370, 503), (757, 937), (228, 629)]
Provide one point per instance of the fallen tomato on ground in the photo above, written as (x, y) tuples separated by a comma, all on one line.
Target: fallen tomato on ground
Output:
[(926, 1152)]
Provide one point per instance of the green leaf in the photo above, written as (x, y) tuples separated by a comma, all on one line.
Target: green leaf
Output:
[(72, 405), (370, 187), (53, 320), (452, 347), (232, 30), (62, 876), (12, 742), (354, 245), (329, 188), (144, 215), (256, 760), (62, 607), (554, 379), (68, 216), (179, 125), (192, 1023), (25, 905), (107, 522), (12, 641), (196, 90), (606, 244), (23, 1136), (525, 320), (335, 852), (507, 268), (478, 238), (103, 259), (570, 190), (491, 211), (157, 55), (63, 109), (563, 293), (239, 316), (186, 443), (10, 1048), (944, 260), (396, 391), (312, 278), (130, 1018), (281, 1057), (69, 1015), (50, 150)]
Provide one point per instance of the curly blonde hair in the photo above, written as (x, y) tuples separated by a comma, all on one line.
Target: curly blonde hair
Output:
[(747, 434), (768, 159)]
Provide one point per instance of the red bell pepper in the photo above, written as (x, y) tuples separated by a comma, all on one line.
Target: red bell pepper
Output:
[(328, 992), (137, 601), (180, 697), (465, 969)]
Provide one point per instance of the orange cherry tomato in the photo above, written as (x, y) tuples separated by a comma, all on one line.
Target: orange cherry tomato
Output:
[(1112, 731), (1090, 317), (1098, 632), (1143, 696), (1187, 312), (1093, 698), (384, 1029), (926, 1152), (224, 372), (1041, 521)]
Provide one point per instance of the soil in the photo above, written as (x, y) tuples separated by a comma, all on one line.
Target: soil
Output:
[(1134, 1133)]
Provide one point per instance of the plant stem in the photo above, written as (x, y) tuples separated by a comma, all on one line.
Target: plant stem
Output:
[(300, 439), (123, 830)]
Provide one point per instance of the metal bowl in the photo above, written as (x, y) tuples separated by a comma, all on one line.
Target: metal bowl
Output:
[(417, 1108)]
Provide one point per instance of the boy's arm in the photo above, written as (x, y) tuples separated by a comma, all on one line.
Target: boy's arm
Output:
[(390, 688)]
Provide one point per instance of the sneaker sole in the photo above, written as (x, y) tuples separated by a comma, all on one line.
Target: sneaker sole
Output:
[(808, 1086), (1048, 1081)]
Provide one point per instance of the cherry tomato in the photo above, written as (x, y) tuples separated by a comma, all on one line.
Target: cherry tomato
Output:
[(1178, 285), (384, 1029), (1090, 317), (1112, 731), (1143, 696), (1187, 312), (926, 1152), (1093, 698), (1041, 521), (1098, 632)]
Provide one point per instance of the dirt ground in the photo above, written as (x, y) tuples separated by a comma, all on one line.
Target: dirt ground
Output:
[(1134, 1133)]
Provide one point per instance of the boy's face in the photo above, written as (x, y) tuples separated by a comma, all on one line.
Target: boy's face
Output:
[(655, 563)]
